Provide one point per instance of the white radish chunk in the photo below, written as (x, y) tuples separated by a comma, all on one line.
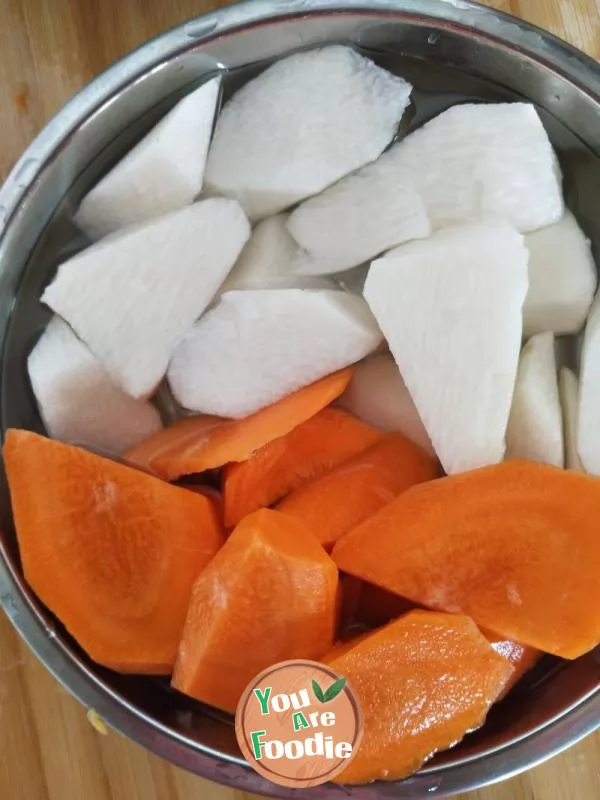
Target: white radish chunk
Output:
[(484, 159), (378, 396), (562, 278), (301, 125), (267, 261), (535, 427), (255, 347), (133, 297), (160, 174), (359, 217), (450, 308), (588, 423), (78, 400), (568, 388)]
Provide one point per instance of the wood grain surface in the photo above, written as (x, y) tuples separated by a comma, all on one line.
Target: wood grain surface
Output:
[(48, 751)]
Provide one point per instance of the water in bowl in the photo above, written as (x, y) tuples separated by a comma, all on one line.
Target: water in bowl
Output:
[(436, 88)]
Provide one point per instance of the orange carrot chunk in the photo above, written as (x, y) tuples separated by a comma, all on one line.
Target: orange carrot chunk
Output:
[(195, 444), (515, 546), (338, 501), (309, 451), (270, 594), (166, 452), (423, 682), (112, 551), (521, 657)]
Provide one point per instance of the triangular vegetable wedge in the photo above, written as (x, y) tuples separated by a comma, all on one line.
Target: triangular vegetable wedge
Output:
[(112, 551), (451, 309), (515, 546)]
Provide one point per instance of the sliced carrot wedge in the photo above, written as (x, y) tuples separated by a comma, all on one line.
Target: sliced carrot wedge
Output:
[(270, 594), (166, 452), (423, 682), (112, 551), (521, 657), (359, 487), (515, 546), (196, 444), (311, 450)]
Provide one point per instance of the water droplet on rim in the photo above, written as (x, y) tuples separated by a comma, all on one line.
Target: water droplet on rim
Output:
[(26, 172), (201, 27)]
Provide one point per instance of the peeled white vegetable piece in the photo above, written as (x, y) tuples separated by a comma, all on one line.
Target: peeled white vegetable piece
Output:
[(535, 427), (255, 347), (450, 308), (562, 278), (161, 173), (484, 159), (78, 400), (301, 125), (267, 261), (378, 396), (132, 298), (588, 423), (359, 217), (568, 387)]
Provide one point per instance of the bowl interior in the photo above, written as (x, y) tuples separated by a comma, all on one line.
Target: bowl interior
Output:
[(447, 64)]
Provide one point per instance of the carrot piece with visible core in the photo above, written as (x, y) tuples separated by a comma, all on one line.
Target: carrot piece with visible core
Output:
[(515, 546), (338, 501), (112, 551), (311, 450), (196, 444), (521, 657), (423, 682), (270, 594)]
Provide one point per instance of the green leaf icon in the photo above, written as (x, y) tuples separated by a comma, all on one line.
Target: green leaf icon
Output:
[(318, 692), (334, 689), (331, 693)]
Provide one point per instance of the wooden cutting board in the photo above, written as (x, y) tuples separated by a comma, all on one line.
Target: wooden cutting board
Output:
[(48, 751)]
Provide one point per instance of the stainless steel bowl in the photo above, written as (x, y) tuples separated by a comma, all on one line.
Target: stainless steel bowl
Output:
[(451, 50)]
